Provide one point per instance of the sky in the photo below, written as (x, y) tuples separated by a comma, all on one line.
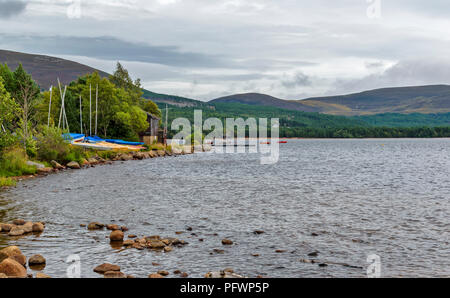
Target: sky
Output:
[(204, 49)]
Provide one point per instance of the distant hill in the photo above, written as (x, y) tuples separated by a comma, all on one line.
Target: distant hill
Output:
[(404, 100), (45, 69), (162, 99), (257, 99)]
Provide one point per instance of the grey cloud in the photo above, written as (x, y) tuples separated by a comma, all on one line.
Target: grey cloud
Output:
[(298, 80), (9, 8), (425, 71), (110, 48)]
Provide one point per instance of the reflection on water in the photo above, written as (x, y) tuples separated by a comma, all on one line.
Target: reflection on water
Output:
[(345, 199)]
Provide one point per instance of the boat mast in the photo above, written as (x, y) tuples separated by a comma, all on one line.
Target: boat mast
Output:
[(50, 106), (165, 126), (90, 110), (81, 117), (96, 109)]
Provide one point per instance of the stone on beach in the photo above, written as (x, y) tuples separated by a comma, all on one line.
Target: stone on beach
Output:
[(44, 171), (161, 153), (106, 268), (12, 268), (3, 275), (116, 235), (56, 165), (42, 275), (155, 275), (115, 274), (74, 165), (36, 260)]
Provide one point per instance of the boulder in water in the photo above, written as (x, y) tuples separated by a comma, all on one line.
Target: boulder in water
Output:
[(116, 235), (227, 242), (16, 231), (12, 268), (36, 260), (38, 227), (95, 226), (106, 268)]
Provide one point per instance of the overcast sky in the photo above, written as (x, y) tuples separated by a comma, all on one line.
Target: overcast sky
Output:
[(205, 49)]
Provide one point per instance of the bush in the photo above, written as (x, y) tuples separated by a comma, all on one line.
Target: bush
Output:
[(14, 163), (51, 145)]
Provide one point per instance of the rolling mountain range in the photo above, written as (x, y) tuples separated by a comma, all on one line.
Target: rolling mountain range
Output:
[(406, 100), (434, 99)]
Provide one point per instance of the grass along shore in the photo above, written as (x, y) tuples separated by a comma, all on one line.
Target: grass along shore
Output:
[(26, 169)]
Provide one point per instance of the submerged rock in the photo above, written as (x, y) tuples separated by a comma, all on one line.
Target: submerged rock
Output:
[(227, 242), (222, 274), (115, 274), (12, 268)]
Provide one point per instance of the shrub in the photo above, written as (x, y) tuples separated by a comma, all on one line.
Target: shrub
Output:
[(14, 163), (51, 145)]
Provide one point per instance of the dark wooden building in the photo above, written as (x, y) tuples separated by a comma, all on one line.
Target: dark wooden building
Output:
[(151, 134)]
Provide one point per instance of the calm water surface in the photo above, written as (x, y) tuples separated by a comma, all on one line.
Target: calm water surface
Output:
[(362, 197)]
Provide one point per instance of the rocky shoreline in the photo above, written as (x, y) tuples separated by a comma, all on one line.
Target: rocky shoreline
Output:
[(14, 264), (56, 167)]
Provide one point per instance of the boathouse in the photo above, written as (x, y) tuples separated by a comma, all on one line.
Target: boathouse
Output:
[(151, 134)]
